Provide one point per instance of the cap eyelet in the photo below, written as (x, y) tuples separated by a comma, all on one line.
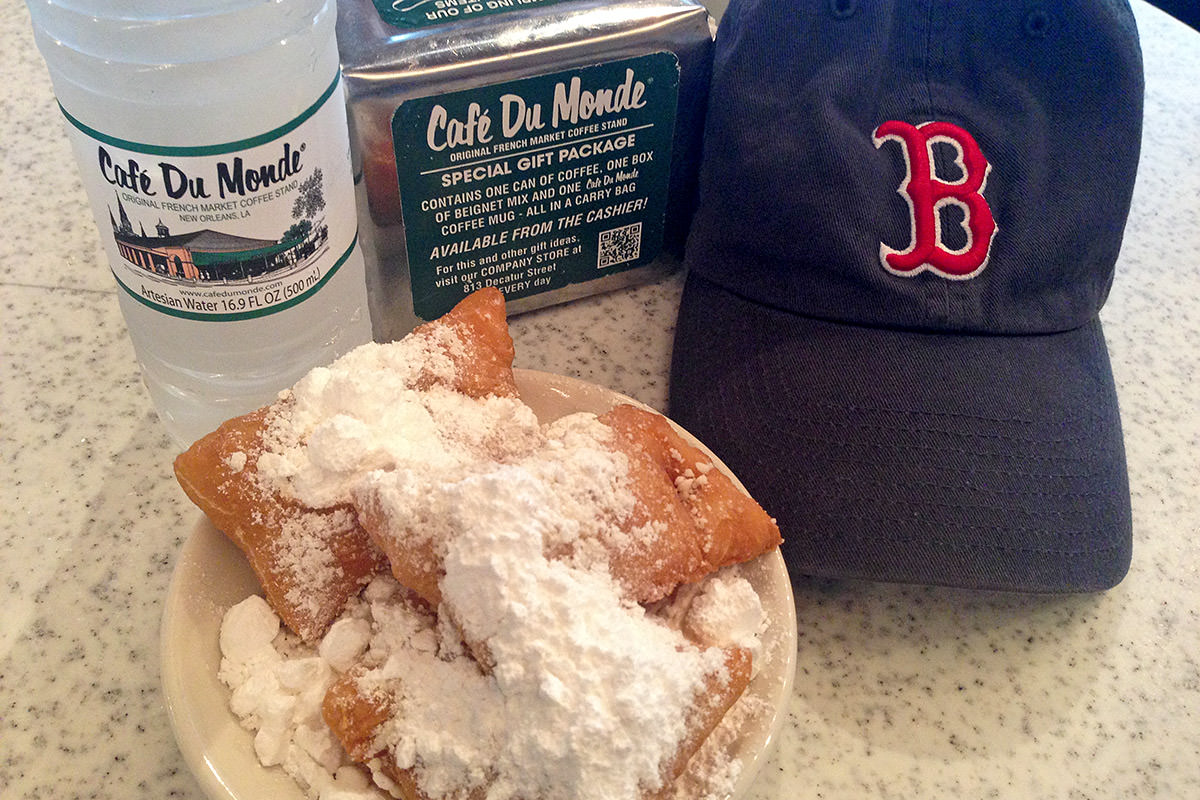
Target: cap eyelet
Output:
[(1038, 23), (843, 9)]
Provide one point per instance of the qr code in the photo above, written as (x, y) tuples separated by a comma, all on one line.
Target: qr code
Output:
[(619, 245)]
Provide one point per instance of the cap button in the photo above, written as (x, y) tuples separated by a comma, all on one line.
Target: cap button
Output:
[(1037, 23), (843, 9)]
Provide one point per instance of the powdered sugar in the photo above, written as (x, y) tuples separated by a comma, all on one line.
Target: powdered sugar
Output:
[(537, 677), (277, 688), (302, 549), (578, 705), (345, 642), (584, 479), (727, 612), (591, 694), (385, 407)]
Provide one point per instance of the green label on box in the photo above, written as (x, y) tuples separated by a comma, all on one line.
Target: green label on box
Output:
[(536, 184), (422, 13)]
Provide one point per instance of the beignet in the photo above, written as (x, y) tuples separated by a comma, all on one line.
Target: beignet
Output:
[(526, 556)]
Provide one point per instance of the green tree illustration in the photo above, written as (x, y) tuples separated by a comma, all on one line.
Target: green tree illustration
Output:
[(297, 231), (310, 199)]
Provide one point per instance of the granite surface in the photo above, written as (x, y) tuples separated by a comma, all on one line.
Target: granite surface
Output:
[(901, 692)]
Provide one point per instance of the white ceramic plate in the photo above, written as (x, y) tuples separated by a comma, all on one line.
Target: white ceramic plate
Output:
[(211, 575)]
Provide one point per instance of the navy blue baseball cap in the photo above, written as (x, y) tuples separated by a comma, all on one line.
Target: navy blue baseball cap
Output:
[(908, 221)]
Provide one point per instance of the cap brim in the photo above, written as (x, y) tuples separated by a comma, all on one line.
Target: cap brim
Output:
[(990, 462)]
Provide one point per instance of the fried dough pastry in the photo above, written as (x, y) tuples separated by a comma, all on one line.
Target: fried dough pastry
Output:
[(413, 555), (729, 526), (689, 519), (309, 562), (483, 366), (712, 703), (357, 717), (643, 502)]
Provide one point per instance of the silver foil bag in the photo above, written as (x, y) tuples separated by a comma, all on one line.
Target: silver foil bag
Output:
[(547, 148)]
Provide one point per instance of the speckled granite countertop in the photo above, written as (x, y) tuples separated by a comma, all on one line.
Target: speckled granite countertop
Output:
[(902, 692)]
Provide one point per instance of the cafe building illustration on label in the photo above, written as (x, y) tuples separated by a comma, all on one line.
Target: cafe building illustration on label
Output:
[(210, 256)]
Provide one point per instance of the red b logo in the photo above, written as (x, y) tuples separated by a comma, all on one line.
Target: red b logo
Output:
[(927, 194)]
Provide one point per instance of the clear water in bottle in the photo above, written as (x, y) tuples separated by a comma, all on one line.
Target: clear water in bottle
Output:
[(211, 139)]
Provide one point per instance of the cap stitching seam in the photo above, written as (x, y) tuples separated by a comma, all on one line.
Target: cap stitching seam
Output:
[(942, 415), (965, 506), (986, 437), (851, 537), (964, 435)]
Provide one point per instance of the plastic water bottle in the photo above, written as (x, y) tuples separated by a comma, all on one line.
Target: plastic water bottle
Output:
[(211, 139)]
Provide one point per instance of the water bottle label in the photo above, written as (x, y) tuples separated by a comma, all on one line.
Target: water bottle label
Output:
[(229, 231), (424, 13), (536, 184)]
